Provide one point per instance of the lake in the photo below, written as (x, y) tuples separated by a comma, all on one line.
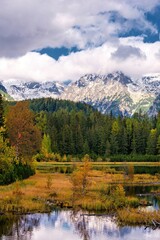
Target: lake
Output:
[(122, 168), (69, 225)]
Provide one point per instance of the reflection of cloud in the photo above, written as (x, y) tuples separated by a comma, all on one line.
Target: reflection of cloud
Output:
[(53, 226), (124, 52)]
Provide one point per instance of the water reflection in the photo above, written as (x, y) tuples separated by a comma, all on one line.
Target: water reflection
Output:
[(67, 169), (70, 225)]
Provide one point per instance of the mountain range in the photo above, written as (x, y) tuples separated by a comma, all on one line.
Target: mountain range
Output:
[(114, 92)]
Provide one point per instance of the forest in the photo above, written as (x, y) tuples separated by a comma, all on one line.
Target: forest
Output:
[(77, 129), (61, 130)]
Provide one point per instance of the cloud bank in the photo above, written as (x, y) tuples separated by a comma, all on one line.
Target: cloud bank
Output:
[(31, 24), (92, 26), (130, 55)]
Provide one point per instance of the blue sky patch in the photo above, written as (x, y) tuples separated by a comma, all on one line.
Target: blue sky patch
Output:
[(56, 53)]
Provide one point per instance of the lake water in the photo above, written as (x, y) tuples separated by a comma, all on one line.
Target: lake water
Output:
[(110, 168), (69, 225)]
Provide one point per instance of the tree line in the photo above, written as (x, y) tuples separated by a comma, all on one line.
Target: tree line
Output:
[(75, 130), (61, 130)]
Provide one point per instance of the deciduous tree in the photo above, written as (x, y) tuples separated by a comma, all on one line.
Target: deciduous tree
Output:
[(22, 131), (80, 177)]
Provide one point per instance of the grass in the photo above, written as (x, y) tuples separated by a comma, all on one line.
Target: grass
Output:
[(138, 217), (34, 192), (43, 191), (36, 187)]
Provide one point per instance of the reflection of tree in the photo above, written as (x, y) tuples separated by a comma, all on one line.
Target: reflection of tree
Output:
[(25, 226), (6, 224), (19, 227), (80, 222)]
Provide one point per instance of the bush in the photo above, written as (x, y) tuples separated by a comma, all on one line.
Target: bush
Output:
[(132, 202)]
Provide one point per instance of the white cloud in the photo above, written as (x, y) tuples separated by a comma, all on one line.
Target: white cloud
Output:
[(90, 25), (32, 24), (34, 66)]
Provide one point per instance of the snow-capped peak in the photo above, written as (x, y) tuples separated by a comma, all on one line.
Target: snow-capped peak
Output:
[(114, 92), (32, 89)]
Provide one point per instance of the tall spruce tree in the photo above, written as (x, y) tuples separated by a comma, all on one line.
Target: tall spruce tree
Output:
[(152, 142)]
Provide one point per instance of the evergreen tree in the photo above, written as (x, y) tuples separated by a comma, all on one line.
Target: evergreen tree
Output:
[(129, 132), (108, 149), (152, 142), (114, 138), (158, 123), (158, 145), (124, 142), (133, 145), (67, 141), (86, 149)]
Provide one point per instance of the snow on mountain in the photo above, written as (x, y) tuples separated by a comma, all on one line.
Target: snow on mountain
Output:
[(30, 90), (151, 83), (114, 92)]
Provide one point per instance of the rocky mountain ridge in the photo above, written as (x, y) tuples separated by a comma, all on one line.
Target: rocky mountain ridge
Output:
[(114, 92)]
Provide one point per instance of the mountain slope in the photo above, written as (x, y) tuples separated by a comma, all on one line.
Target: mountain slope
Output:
[(4, 93), (113, 92), (31, 90)]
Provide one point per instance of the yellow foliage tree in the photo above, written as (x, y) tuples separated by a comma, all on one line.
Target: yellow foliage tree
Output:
[(80, 177)]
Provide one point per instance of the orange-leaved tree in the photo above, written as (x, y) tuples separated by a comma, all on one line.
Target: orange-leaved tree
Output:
[(23, 133), (80, 178)]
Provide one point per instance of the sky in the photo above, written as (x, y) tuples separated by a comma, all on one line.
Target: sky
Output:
[(59, 40)]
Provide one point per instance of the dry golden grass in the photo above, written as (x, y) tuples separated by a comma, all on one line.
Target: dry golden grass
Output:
[(32, 194), (138, 217), (34, 191)]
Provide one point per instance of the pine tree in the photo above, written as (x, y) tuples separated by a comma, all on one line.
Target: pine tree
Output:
[(152, 142)]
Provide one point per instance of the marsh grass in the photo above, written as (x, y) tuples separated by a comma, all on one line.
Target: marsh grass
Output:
[(32, 194), (137, 217)]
